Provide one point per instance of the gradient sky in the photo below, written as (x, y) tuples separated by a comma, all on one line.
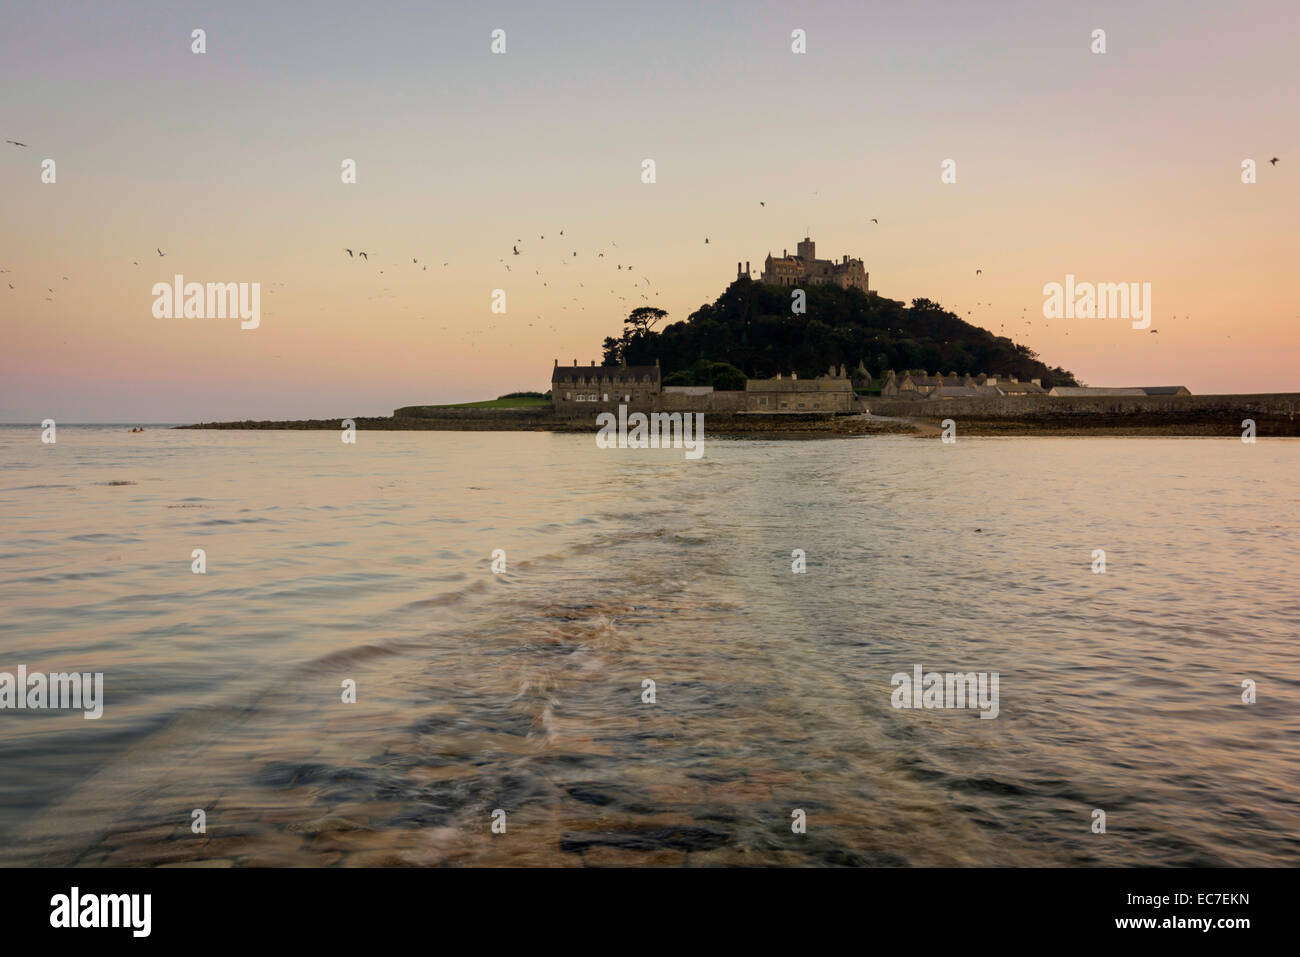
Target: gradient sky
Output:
[(1116, 167)]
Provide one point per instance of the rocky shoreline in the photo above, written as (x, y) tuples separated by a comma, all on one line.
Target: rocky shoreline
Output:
[(796, 425), (1191, 416)]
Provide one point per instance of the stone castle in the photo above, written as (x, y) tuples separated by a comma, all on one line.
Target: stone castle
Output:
[(804, 268)]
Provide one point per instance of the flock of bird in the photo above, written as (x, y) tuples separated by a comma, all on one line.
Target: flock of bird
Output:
[(563, 261)]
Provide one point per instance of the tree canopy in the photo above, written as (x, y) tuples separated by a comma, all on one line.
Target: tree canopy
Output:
[(751, 327)]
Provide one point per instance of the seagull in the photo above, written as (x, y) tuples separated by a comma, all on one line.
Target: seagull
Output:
[(364, 256), (416, 261), (516, 248), (706, 240), (979, 271), (876, 221), (24, 145), (763, 204), (349, 252), (1272, 162), (160, 252)]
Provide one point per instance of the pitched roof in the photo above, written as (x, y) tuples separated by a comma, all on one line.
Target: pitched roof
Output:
[(615, 373)]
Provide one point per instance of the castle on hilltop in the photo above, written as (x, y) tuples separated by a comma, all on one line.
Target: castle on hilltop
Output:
[(805, 268)]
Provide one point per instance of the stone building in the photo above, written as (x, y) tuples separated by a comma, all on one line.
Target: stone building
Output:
[(908, 386), (804, 268), (1071, 391), (582, 390), (832, 392)]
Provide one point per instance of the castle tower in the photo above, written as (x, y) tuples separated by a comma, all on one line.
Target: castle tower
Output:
[(807, 250)]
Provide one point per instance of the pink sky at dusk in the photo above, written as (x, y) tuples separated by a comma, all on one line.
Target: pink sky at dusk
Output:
[(1120, 167)]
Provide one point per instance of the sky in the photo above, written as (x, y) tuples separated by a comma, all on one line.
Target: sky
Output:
[(1122, 166)]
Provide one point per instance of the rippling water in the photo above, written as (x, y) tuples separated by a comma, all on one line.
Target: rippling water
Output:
[(523, 691)]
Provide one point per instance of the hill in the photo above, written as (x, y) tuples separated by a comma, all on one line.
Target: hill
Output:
[(751, 327)]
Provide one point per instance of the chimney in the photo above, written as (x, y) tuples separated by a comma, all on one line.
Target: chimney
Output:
[(794, 375), (746, 267), (593, 363), (1037, 382), (842, 375), (575, 363), (557, 363), (778, 375), (656, 362), (738, 272)]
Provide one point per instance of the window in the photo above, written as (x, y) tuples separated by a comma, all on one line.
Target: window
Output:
[(606, 398), (591, 398), (568, 396), (581, 398)]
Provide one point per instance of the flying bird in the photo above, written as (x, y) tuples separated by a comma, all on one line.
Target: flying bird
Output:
[(349, 252), (1272, 162), (24, 145), (706, 240), (979, 272), (160, 252), (516, 248), (876, 221), (763, 204), (364, 256)]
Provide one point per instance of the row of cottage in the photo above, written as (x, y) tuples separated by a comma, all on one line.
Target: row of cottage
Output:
[(987, 386), (585, 390)]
